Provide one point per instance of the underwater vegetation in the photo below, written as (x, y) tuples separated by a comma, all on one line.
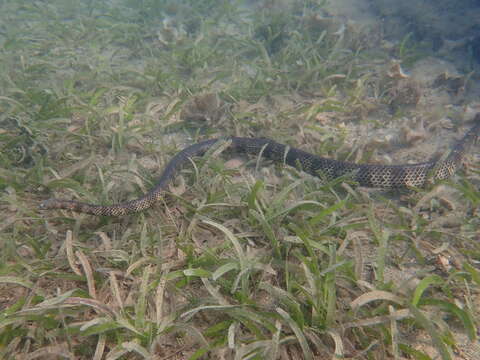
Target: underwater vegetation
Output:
[(243, 259)]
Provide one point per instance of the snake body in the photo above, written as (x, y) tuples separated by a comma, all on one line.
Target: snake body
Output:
[(369, 175)]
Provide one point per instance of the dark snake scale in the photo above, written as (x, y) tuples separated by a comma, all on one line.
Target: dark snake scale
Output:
[(369, 175)]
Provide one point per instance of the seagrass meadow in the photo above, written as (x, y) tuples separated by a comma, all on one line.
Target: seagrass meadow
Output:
[(242, 259)]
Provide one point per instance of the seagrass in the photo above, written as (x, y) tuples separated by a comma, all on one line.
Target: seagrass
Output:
[(369, 175)]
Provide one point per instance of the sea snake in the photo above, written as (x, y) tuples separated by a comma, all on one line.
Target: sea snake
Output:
[(369, 175)]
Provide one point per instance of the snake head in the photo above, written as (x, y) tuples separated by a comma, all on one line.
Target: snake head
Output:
[(46, 205)]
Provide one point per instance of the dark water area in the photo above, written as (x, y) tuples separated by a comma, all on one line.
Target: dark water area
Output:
[(451, 27)]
